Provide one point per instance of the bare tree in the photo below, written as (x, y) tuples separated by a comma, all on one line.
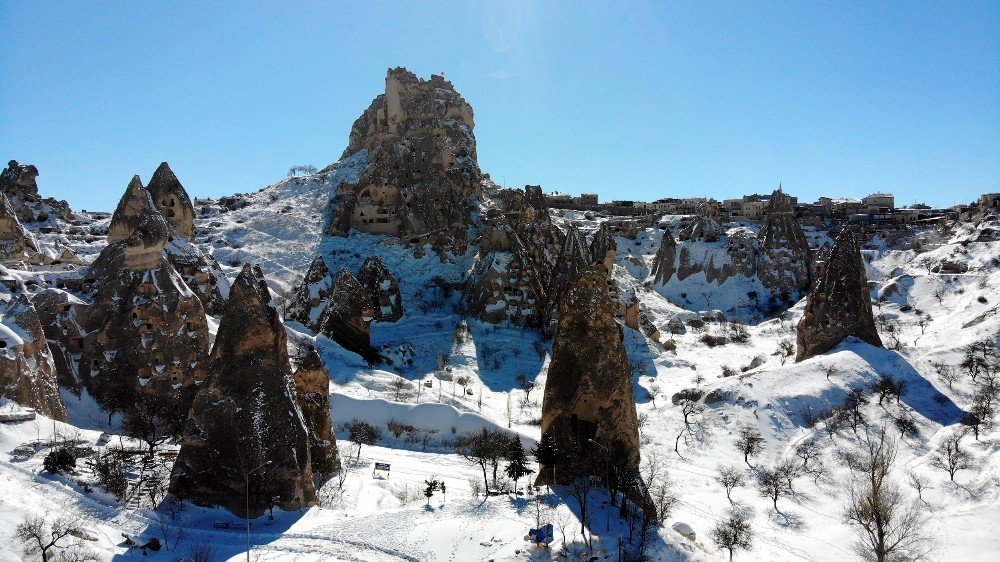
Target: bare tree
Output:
[(750, 443), (526, 385), (854, 404), (733, 534), (786, 348), (46, 538), (363, 433), (919, 484), (788, 470), (690, 406), (772, 485), (398, 386), (484, 449), (951, 457), (582, 485), (730, 478), (888, 526)]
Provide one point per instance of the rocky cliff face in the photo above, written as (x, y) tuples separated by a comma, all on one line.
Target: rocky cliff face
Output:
[(604, 248), (18, 183), (312, 391), (347, 317), (839, 305), (574, 258), (588, 393), (785, 258), (383, 290), (63, 318), (27, 370), (421, 168), (245, 428), (701, 228)]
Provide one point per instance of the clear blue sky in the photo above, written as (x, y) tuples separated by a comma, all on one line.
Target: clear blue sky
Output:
[(627, 100)]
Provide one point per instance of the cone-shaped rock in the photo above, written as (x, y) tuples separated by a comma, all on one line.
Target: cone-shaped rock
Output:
[(664, 265), (348, 315), (312, 390), (839, 305), (603, 248), (588, 393), (785, 260), (134, 209), (574, 258), (702, 229), (386, 302), (172, 200), (312, 296), (245, 428)]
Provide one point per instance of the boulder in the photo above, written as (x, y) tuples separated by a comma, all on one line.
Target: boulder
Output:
[(246, 446), (840, 304)]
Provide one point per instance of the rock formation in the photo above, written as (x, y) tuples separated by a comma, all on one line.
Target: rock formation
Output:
[(604, 248), (17, 182), (312, 391), (138, 206), (245, 429), (347, 317), (16, 243), (63, 318), (383, 291), (574, 258), (312, 296), (172, 200), (421, 168), (839, 305), (588, 394), (701, 229), (664, 261), (27, 371), (785, 258)]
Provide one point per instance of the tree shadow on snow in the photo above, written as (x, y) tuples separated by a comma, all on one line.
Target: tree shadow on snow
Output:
[(920, 394)]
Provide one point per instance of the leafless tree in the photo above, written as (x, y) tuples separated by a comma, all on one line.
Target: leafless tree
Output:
[(951, 457), (854, 404), (919, 484), (733, 534), (772, 485), (789, 470), (484, 449), (363, 433), (690, 406), (730, 478), (888, 526), (398, 386), (947, 373), (49, 539), (786, 348), (583, 484), (750, 443)]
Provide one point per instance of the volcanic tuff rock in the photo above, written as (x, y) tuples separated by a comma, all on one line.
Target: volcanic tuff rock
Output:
[(17, 182), (63, 318), (663, 262), (574, 258), (701, 228), (785, 258), (27, 372), (347, 316), (312, 391), (166, 203), (839, 305), (383, 291), (146, 335), (604, 248), (245, 428), (16, 243), (421, 170), (172, 200), (311, 298), (588, 393)]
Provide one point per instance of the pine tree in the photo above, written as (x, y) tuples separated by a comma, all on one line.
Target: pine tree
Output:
[(517, 462), (547, 454)]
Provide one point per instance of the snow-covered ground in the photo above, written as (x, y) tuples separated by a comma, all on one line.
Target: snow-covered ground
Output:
[(460, 375)]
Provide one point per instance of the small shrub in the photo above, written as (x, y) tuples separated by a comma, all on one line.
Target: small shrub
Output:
[(983, 299), (59, 461), (713, 341)]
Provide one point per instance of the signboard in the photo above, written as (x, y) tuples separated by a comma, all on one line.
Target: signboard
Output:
[(383, 466)]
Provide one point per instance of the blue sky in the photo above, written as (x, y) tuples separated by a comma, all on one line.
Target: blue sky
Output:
[(636, 101)]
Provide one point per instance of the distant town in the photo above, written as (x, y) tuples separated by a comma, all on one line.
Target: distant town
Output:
[(873, 211)]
